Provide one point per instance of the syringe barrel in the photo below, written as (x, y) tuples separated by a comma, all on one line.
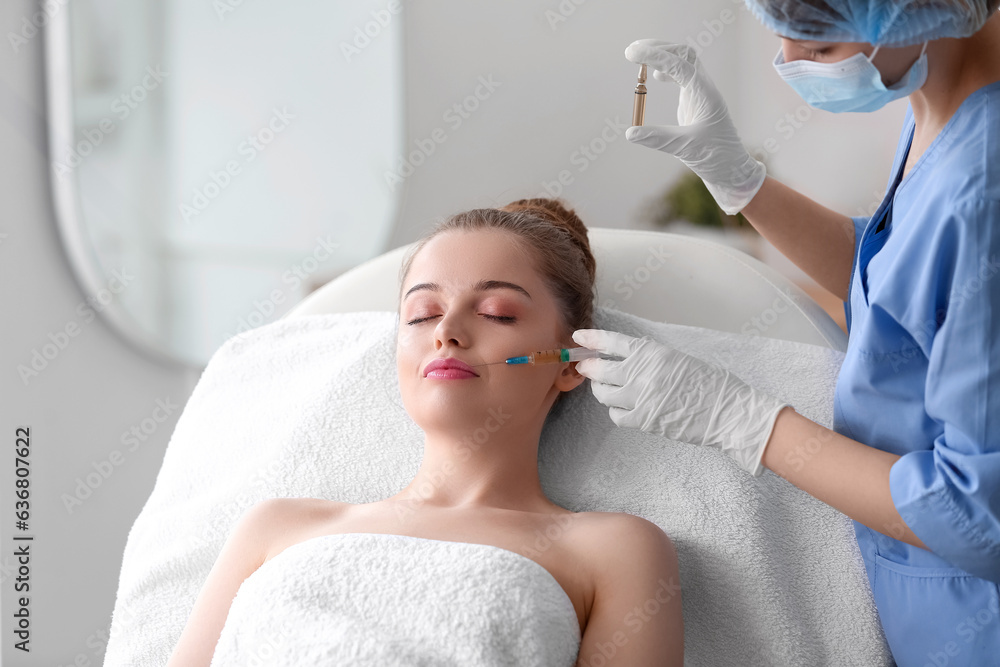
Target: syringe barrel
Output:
[(548, 357), (564, 355), (555, 356)]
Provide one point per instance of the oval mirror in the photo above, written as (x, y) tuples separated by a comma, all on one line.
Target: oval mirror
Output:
[(214, 162)]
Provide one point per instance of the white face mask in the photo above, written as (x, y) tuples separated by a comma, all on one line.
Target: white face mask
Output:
[(854, 84)]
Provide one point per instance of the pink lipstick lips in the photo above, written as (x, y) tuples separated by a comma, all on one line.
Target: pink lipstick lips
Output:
[(449, 368)]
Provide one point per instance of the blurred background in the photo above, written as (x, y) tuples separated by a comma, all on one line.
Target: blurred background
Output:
[(177, 172)]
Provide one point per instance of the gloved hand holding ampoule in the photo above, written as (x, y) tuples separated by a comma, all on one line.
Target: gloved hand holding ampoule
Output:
[(706, 139)]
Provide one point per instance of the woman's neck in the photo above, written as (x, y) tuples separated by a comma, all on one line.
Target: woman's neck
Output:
[(494, 466), (957, 68)]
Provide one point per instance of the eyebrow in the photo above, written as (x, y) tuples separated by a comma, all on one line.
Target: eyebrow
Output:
[(807, 41), (481, 286)]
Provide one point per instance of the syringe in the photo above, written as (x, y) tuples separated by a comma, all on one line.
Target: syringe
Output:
[(556, 356)]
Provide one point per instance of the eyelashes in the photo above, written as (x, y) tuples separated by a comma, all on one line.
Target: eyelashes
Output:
[(504, 319)]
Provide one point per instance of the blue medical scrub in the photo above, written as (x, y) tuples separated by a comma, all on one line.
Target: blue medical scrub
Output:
[(921, 379)]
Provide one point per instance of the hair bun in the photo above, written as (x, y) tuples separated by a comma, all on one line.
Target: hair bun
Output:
[(555, 212)]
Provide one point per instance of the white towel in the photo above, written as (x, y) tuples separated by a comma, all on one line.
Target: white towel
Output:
[(373, 600), (769, 574)]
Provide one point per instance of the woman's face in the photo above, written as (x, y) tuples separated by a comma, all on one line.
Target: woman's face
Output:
[(892, 63), (475, 296)]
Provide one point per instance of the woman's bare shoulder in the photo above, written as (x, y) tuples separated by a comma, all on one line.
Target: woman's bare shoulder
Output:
[(283, 522), (618, 521), (635, 579), (277, 509), (606, 537)]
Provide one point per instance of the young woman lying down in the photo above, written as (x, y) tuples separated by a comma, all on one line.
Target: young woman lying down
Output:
[(451, 569)]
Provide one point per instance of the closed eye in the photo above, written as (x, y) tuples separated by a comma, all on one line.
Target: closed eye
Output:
[(506, 319)]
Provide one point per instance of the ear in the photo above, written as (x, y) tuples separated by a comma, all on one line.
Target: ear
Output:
[(568, 378)]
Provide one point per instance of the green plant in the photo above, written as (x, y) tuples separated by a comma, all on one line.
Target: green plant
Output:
[(688, 199)]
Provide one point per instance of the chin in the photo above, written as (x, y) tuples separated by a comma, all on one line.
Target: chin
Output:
[(447, 408)]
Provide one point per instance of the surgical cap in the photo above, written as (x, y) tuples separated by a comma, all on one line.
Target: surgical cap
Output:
[(878, 22)]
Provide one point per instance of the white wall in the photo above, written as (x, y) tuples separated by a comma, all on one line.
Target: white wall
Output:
[(558, 88), (298, 189), (93, 390), (560, 84)]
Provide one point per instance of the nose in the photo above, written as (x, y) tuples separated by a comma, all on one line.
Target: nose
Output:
[(450, 331)]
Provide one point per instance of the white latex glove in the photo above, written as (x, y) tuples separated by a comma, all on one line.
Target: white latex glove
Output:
[(706, 140), (660, 390)]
